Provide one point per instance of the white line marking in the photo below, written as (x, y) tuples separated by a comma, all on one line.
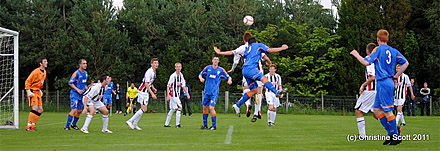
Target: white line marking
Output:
[(229, 135)]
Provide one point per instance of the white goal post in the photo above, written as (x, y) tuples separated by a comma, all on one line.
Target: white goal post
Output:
[(8, 79)]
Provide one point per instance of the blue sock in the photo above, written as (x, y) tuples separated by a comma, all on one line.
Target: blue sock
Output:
[(393, 126), (205, 119), (242, 100), (385, 124), (69, 119), (75, 120), (214, 118), (272, 88)]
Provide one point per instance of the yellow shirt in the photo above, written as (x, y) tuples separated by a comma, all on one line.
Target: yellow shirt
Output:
[(132, 92)]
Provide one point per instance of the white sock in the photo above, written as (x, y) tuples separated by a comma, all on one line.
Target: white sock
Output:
[(104, 122), (248, 102), (87, 121), (274, 115), (170, 114), (258, 106), (361, 125), (402, 118), (178, 117), (139, 114), (135, 116), (269, 116), (399, 114)]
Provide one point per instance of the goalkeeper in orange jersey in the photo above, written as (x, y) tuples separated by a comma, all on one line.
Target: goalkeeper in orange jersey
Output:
[(33, 85)]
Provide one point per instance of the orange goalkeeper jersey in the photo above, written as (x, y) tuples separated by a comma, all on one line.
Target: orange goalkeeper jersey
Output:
[(35, 80)]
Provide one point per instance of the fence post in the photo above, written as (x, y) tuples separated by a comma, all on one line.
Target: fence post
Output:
[(165, 100), (430, 105), (322, 102), (226, 101), (22, 100), (287, 103), (58, 100)]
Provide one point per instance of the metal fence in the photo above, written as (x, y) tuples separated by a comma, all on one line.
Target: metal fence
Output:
[(298, 104)]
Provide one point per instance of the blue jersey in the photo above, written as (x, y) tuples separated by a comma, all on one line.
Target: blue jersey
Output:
[(385, 59), (108, 89), (78, 79), (213, 79), (253, 54)]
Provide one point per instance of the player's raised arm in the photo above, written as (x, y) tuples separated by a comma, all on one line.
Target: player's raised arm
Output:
[(359, 58), (273, 50), (226, 53)]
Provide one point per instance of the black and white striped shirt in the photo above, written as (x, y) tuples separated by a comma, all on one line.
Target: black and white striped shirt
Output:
[(95, 91), (274, 79), (370, 72), (400, 87), (149, 77), (176, 83)]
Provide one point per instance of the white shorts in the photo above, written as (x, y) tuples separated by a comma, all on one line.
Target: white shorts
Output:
[(175, 103), (366, 101), (143, 98), (271, 99), (97, 104), (399, 102)]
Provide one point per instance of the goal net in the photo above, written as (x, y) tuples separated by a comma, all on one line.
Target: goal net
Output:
[(8, 78)]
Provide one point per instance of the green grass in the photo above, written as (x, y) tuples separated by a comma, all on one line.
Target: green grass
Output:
[(293, 132)]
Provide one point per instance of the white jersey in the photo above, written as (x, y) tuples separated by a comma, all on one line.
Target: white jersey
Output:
[(149, 77), (370, 72), (400, 87), (94, 92), (274, 79), (176, 83)]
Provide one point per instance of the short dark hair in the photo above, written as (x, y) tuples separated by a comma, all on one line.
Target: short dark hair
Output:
[(251, 40), (40, 60), (154, 59), (81, 60), (103, 77), (246, 36), (370, 47)]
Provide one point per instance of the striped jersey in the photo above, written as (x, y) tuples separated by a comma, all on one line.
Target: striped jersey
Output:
[(400, 87), (95, 91), (370, 72), (149, 77), (275, 80), (176, 83)]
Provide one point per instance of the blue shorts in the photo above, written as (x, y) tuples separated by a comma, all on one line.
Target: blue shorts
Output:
[(209, 100), (384, 95), (252, 75), (76, 101), (107, 99)]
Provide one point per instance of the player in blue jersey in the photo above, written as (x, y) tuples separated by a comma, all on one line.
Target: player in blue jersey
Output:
[(107, 98), (213, 74), (385, 59), (250, 70), (78, 82)]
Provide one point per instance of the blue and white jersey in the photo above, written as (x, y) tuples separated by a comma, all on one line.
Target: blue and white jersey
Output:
[(385, 59), (213, 79), (79, 79), (109, 89), (253, 54)]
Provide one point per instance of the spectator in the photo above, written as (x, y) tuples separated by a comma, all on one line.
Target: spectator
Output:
[(186, 101), (411, 104), (117, 93), (425, 91)]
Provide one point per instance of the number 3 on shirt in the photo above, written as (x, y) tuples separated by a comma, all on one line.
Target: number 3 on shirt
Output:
[(389, 56)]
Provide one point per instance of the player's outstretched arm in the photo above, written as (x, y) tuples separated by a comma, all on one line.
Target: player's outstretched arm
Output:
[(268, 62), (359, 57), (273, 50), (226, 53)]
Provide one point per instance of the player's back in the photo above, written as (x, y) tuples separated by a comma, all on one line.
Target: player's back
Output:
[(108, 89), (253, 54), (385, 59)]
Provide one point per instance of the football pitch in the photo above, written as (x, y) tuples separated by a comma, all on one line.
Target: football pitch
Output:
[(292, 132)]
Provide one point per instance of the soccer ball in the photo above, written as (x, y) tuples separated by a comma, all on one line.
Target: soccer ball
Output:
[(248, 20)]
